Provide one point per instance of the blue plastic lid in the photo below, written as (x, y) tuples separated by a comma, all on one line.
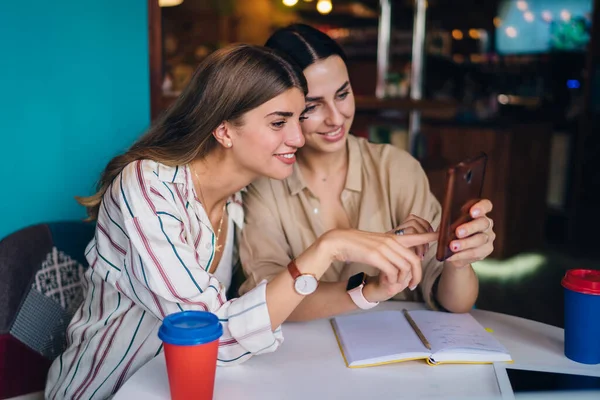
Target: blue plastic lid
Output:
[(189, 328)]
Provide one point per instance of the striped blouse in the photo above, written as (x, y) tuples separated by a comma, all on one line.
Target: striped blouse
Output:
[(150, 257)]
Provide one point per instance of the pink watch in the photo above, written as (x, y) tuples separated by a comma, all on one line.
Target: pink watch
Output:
[(355, 287)]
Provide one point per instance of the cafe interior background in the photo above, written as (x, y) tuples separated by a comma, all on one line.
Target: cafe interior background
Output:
[(443, 79)]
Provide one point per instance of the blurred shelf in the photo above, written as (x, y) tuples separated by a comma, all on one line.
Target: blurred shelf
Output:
[(371, 103), (436, 108)]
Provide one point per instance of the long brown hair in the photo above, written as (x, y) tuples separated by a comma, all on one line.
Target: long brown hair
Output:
[(227, 84)]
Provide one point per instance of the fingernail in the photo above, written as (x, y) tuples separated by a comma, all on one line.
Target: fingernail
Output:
[(422, 256), (413, 287), (476, 212), (455, 246), (462, 232)]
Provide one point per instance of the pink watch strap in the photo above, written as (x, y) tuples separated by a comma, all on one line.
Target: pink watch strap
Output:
[(359, 299)]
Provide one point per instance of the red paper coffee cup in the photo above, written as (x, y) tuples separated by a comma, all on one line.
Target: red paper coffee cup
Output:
[(191, 342)]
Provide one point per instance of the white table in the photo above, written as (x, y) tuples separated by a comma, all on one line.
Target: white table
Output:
[(309, 366)]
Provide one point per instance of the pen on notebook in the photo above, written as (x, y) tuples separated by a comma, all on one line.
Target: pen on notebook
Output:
[(416, 329)]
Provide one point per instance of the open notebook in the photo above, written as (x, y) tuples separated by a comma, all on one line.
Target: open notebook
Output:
[(384, 337)]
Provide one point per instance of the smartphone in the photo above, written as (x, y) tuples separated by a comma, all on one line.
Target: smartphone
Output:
[(464, 183)]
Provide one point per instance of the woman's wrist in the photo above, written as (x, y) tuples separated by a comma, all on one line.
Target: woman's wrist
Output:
[(370, 290), (327, 245), (463, 268), (317, 258)]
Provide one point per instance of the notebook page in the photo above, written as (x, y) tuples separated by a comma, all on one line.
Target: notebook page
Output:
[(377, 336), (446, 331)]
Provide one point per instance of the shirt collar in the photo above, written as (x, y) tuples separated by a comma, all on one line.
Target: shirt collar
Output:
[(296, 182), (235, 209), (354, 177), (179, 174), (176, 174)]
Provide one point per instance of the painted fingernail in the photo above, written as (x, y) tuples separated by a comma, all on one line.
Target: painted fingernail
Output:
[(455, 246), (413, 287), (476, 212), (462, 232)]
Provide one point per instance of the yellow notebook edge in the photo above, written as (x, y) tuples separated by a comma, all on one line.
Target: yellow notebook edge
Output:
[(339, 342), (435, 364)]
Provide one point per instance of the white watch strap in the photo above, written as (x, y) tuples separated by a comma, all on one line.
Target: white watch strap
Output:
[(359, 299)]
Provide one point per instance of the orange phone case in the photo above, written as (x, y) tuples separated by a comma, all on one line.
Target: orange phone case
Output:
[(463, 190)]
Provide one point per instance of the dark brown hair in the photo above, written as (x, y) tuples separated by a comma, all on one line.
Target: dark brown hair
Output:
[(226, 85), (304, 44)]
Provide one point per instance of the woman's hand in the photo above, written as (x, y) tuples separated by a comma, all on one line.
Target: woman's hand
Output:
[(411, 225), (379, 288), (393, 255), (475, 238)]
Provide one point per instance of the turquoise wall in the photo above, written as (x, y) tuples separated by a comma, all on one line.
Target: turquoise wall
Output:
[(74, 91)]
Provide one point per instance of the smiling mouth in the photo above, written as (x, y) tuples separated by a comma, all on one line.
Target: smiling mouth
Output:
[(286, 155), (333, 133)]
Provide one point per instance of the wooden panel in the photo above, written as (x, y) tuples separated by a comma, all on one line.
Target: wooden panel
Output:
[(527, 171), (516, 177)]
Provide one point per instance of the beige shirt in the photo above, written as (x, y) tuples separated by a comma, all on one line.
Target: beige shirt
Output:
[(383, 186)]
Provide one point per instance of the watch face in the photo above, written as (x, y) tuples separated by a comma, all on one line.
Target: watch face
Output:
[(306, 284), (355, 281)]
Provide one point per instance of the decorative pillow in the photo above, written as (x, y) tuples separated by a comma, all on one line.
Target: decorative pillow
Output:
[(59, 278), (55, 294)]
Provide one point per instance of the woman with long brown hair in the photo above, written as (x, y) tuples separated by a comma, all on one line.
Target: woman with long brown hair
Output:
[(166, 212)]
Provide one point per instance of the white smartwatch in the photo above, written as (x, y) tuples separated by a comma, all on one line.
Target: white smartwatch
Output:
[(355, 287)]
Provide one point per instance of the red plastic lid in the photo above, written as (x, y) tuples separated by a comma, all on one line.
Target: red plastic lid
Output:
[(582, 280)]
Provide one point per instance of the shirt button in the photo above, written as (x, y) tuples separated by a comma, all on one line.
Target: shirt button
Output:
[(316, 210), (207, 246)]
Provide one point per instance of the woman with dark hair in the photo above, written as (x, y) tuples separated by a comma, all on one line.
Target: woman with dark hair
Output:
[(166, 211), (342, 182)]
